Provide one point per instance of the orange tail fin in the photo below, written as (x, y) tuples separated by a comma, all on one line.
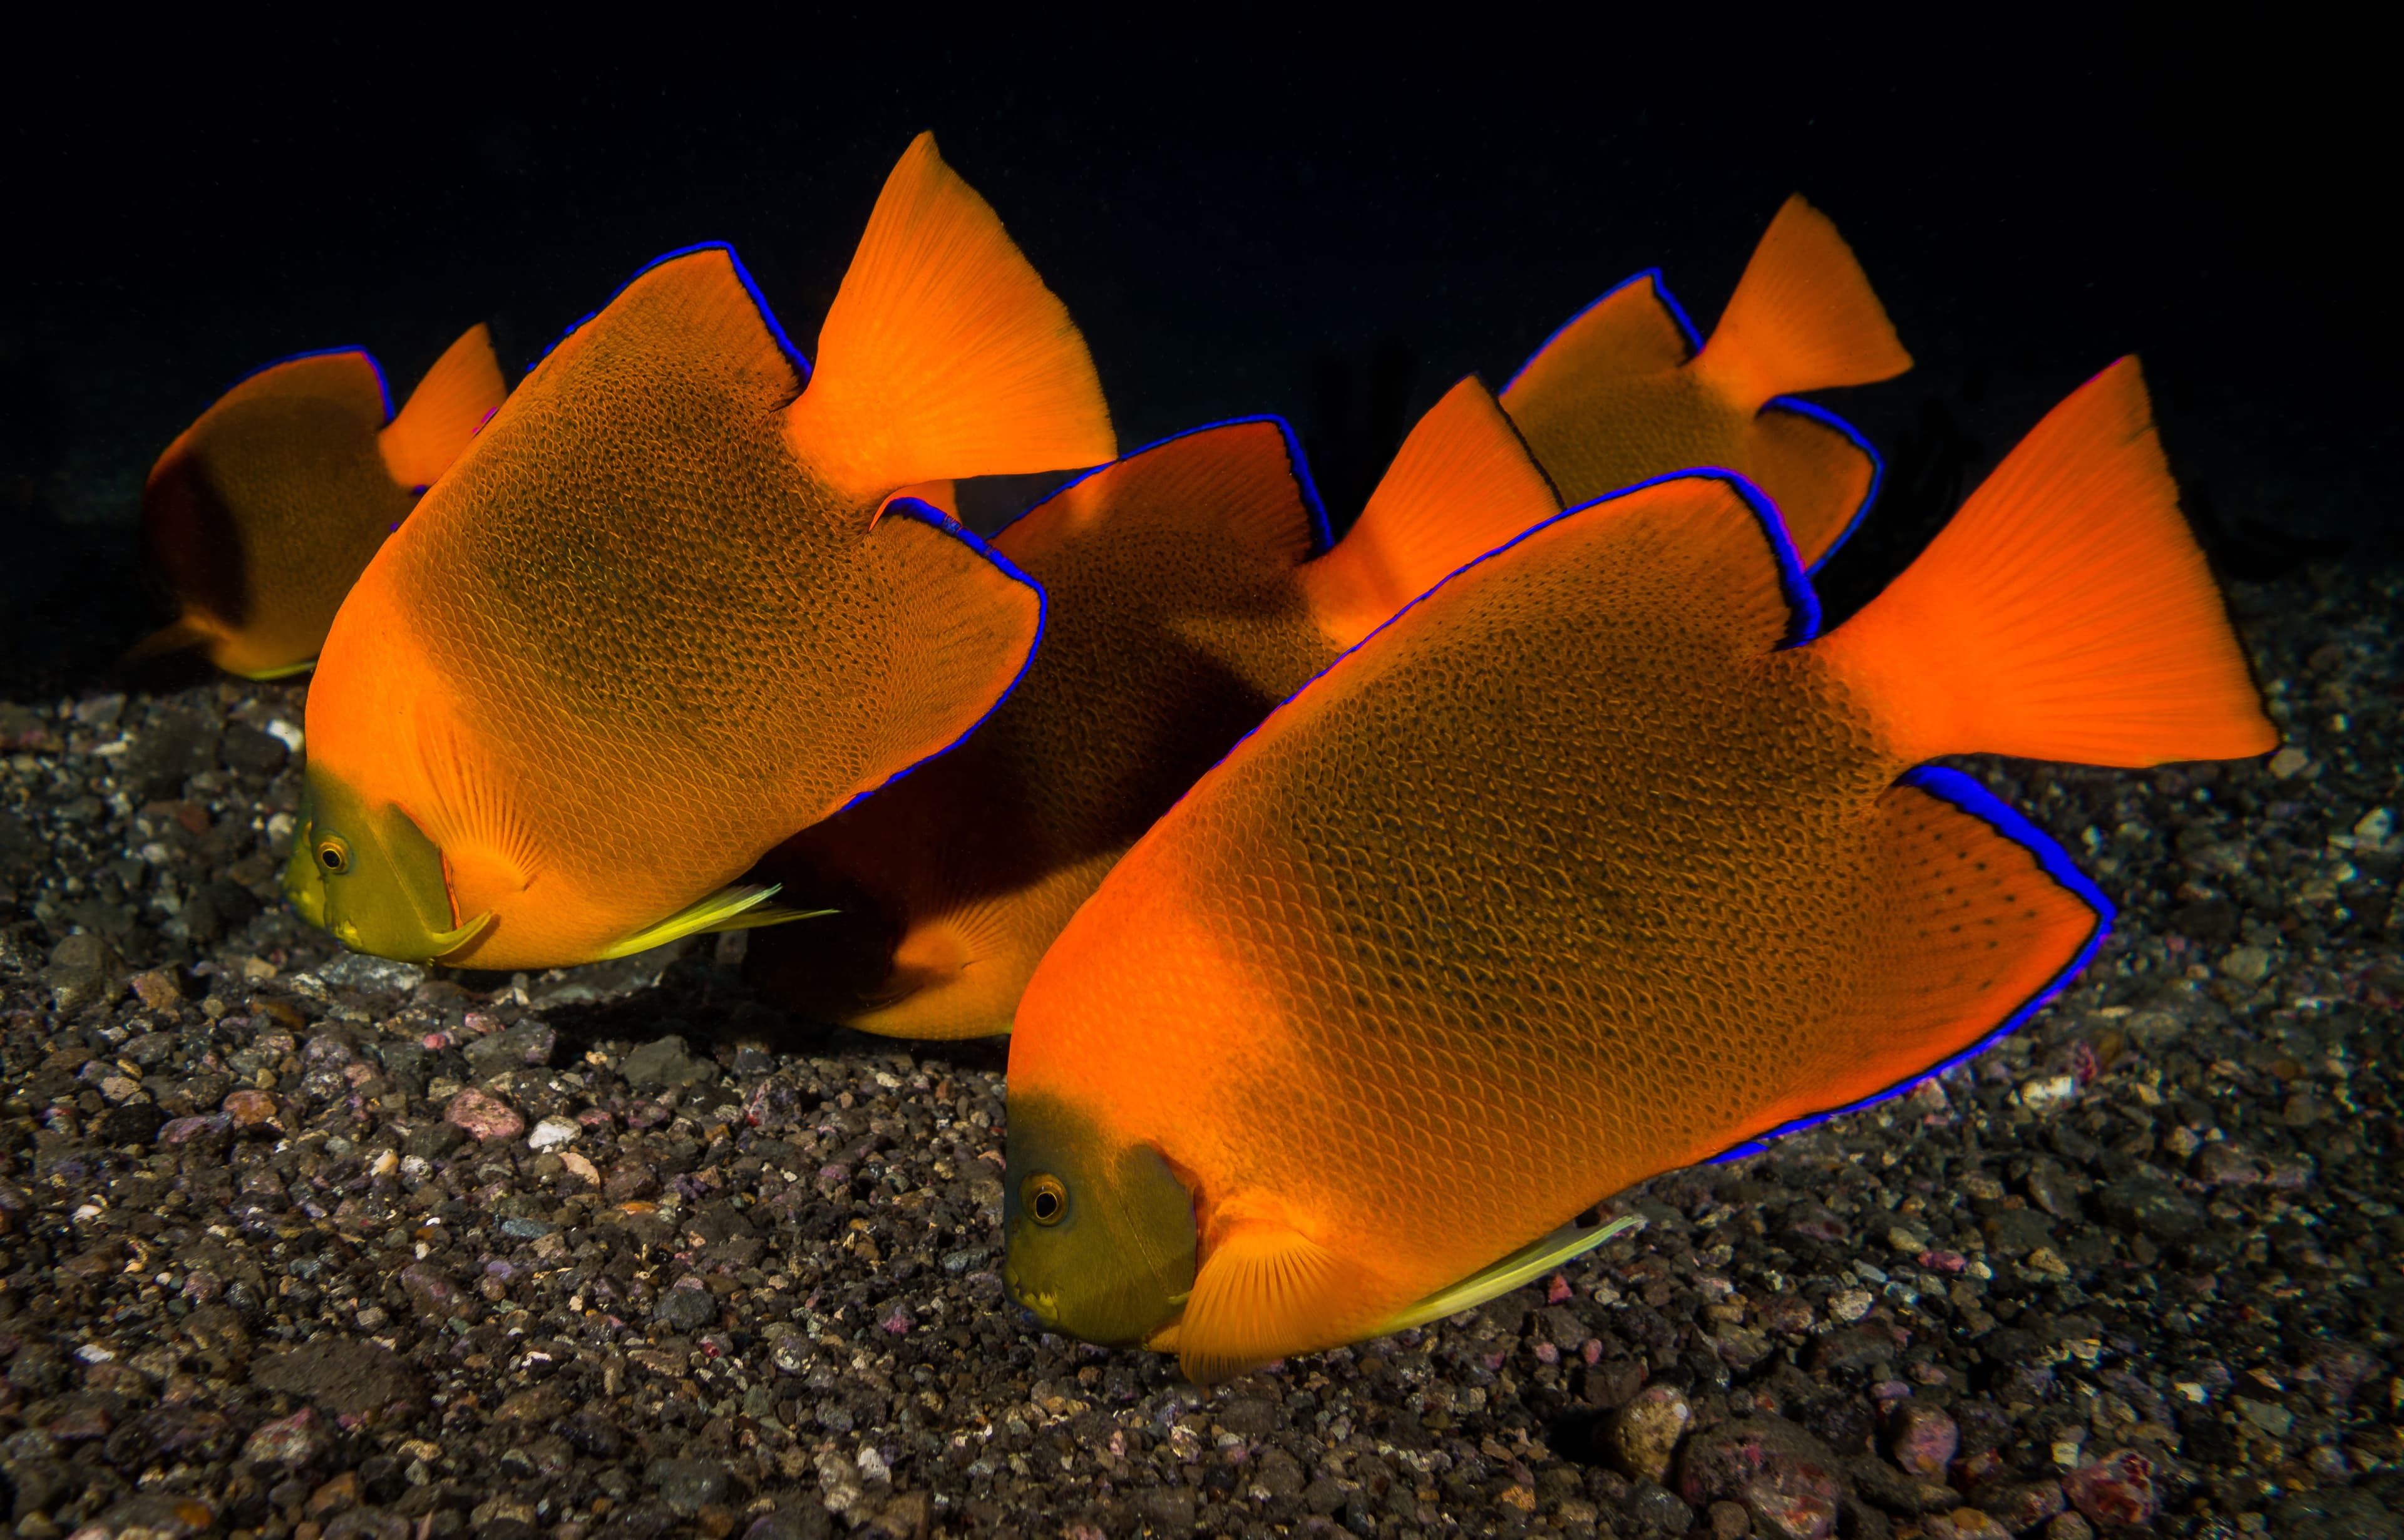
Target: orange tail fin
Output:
[(1461, 484), (461, 390), (943, 355), (1803, 318), (2064, 614)]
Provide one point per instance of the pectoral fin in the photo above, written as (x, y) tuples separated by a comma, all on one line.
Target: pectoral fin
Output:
[(1264, 1292), (733, 908), (1530, 1261)]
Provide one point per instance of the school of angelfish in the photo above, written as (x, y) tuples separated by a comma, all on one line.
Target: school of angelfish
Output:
[(1362, 912)]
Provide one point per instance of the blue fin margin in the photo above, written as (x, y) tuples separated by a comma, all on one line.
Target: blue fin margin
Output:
[(793, 355), (383, 386), (943, 523), (1966, 792), (1321, 538), (1827, 419), (1669, 303)]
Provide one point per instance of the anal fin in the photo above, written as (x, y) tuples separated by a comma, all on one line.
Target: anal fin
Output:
[(1817, 469), (734, 908), (1980, 919), (1532, 1261)]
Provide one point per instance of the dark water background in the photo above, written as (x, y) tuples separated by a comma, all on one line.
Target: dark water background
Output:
[(1246, 213)]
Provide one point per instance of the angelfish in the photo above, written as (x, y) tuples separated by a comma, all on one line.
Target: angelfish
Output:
[(1627, 389), (1596, 861), (1192, 587), (668, 607), (263, 512)]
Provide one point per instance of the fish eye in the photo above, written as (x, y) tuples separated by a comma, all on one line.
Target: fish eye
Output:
[(1046, 1198), (334, 854)]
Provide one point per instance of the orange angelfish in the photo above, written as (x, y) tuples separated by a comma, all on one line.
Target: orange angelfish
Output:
[(1191, 589), (1628, 390), (1594, 863), (262, 513), (667, 609)]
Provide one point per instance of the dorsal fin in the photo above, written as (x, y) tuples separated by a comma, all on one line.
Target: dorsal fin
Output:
[(943, 355), (1243, 478), (1984, 921), (1803, 318), (347, 375), (1635, 328), (1461, 484), (461, 390), (1821, 473), (703, 300)]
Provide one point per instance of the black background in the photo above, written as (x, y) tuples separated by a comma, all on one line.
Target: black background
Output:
[(1246, 212)]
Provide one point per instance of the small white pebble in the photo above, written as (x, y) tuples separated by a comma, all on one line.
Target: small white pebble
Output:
[(2287, 761), (92, 1352), (1851, 1305), (2373, 826), (289, 733), (2047, 1092), (552, 1132)]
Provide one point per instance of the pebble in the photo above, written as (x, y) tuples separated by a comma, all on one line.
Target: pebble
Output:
[(2116, 1489), (1646, 1432), (553, 1132), (1923, 1438), (484, 1116), (770, 1251)]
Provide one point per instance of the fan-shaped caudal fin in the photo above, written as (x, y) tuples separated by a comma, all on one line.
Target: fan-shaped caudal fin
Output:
[(457, 395), (1817, 471), (943, 355), (1976, 920), (1803, 318), (1572, 381), (1462, 485), (1264, 1291), (2064, 614)]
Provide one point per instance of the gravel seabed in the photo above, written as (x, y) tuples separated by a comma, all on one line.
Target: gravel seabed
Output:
[(298, 1245)]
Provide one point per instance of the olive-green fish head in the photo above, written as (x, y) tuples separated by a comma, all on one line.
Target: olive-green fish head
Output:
[(1100, 1232), (370, 875)]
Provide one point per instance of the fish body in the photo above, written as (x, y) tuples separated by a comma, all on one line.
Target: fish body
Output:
[(1191, 587), (669, 608), (264, 511), (1627, 390), (1596, 861)]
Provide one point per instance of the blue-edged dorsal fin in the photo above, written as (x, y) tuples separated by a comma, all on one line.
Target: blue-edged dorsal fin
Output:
[(1636, 328), (1242, 482)]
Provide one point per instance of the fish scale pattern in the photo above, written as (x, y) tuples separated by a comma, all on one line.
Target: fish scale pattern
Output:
[(664, 629), (1552, 886), (267, 509), (1175, 624)]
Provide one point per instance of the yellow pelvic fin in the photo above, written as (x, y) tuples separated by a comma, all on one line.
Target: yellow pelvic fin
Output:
[(733, 908), (1530, 1261)]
